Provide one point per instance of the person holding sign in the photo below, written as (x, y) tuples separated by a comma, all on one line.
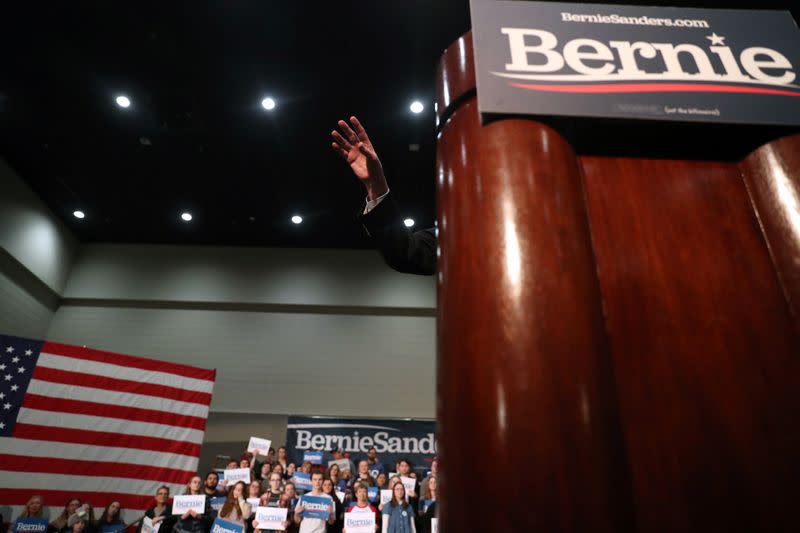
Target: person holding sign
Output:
[(235, 509), (315, 509), (398, 515), (70, 508), (361, 507), (338, 504), (192, 521), (161, 511), (31, 519), (427, 505)]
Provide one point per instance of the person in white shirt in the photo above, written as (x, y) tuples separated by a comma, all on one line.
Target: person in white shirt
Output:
[(311, 524)]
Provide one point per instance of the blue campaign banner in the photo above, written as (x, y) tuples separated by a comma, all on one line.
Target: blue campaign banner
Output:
[(30, 525), (414, 440), (426, 504), (315, 458), (373, 493), (302, 481), (112, 528), (316, 506), (217, 502), (223, 526)]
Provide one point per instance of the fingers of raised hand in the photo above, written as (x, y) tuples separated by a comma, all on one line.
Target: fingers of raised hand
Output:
[(360, 132), (339, 150), (341, 141), (348, 131)]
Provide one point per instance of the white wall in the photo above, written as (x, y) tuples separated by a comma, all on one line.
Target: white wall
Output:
[(317, 332)]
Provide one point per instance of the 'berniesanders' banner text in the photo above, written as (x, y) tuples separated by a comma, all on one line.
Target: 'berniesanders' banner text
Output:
[(392, 439)]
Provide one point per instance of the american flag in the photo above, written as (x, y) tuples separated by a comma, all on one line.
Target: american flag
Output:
[(100, 426)]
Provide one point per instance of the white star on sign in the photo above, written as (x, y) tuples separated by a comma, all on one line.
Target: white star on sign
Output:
[(9, 349), (6, 406), (28, 352), (15, 359), (14, 388), (716, 40), (8, 377)]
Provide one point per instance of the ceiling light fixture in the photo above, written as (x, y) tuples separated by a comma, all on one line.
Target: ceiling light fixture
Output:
[(416, 107), (297, 219), (409, 222), (123, 101), (268, 104), (79, 214), (186, 217)]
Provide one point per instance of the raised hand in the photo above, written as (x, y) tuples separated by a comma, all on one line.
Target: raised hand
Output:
[(353, 144)]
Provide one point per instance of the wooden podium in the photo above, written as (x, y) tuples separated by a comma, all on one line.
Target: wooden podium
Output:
[(618, 337)]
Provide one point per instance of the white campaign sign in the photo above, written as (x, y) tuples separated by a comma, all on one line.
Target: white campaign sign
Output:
[(262, 445), (340, 495), (235, 475), (344, 464), (359, 522), (409, 483), (148, 527), (183, 503), (253, 502), (271, 517), (386, 496), (434, 525)]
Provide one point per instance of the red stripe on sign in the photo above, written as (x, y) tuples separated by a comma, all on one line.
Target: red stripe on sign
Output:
[(136, 414), (65, 377), (654, 88), (141, 363), (24, 463), (19, 496), (102, 438)]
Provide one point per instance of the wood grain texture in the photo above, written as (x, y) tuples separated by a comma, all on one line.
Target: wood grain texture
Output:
[(706, 361), (772, 176), (523, 359)]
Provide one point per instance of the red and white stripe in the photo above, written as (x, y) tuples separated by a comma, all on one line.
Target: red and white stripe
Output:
[(102, 427)]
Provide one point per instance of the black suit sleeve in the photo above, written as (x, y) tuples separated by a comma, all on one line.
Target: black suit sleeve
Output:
[(404, 251)]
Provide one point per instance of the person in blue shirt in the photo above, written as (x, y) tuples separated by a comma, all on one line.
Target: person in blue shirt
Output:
[(398, 514), (375, 467)]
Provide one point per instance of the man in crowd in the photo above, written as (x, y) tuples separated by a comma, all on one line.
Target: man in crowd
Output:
[(404, 251), (309, 524), (210, 486), (375, 466)]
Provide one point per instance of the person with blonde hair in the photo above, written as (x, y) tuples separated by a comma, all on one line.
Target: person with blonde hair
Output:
[(34, 507)]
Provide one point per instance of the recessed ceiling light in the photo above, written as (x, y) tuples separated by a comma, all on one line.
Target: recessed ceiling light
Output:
[(268, 103), (186, 217), (297, 219), (409, 222), (416, 106), (123, 101), (79, 214)]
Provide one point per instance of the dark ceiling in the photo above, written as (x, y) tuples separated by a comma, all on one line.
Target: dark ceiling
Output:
[(196, 137)]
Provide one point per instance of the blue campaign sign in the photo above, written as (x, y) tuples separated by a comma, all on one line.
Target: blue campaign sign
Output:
[(372, 493), (216, 503), (112, 528), (316, 506), (223, 526), (315, 458), (414, 440), (564, 59), (426, 504), (302, 481), (30, 525)]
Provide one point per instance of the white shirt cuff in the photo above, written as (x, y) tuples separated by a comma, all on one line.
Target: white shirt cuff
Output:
[(372, 204)]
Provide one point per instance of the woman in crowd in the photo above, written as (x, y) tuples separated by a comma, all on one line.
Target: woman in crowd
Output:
[(278, 468), (289, 498), (335, 475), (362, 505), (161, 511), (338, 506), (33, 509), (282, 459), (291, 468), (254, 489), (272, 498), (393, 481), (92, 524), (61, 522), (427, 505), (306, 468), (111, 519), (380, 480), (77, 522), (398, 515), (235, 509), (191, 521)]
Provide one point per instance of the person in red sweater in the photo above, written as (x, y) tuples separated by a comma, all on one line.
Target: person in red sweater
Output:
[(362, 505)]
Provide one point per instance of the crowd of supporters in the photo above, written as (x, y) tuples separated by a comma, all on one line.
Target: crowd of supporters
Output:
[(356, 489)]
